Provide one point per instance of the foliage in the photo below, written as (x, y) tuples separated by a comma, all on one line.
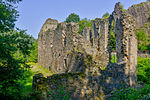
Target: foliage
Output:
[(122, 9), (60, 94), (112, 35), (143, 72), (143, 40), (143, 75), (26, 84), (73, 18), (149, 17), (11, 67), (37, 68), (106, 15), (12, 1), (15, 45), (85, 23), (8, 16), (132, 93), (113, 59), (33, 57)]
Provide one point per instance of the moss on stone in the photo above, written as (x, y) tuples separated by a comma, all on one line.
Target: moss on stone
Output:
[(140, 5), (56, 77), (122, 8)]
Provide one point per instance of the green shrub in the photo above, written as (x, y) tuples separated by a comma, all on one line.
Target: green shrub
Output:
[(143, 70), (85, 23), (132, 93), (60, 94)]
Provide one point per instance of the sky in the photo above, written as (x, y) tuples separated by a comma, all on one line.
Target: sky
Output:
[(33, 13)]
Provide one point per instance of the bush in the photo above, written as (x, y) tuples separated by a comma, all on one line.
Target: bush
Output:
[(143, 71), (132, 93), (60, 94), (85, 23)]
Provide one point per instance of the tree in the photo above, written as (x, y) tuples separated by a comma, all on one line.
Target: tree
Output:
[(148, 0), (13, 1), (85, 23), (106, 15), (12, 43), (33, 57), (73, 18), (8, 16)]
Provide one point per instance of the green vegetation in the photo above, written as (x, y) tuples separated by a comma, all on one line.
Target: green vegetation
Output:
[(85, 23), (15, 48), (143, 75), (73, 18), (26, 84), (106, 15), (60, 94), (143, 71), (113, 37), (33, 56), (139, 4), (114, 59), (122, 9), (132, 93), (82, 23), (37, 68), (149, 17), (18, 59), (143, 39), (15, 45)]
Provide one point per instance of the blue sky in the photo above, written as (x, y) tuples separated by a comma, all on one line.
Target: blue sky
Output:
[(33, 13)]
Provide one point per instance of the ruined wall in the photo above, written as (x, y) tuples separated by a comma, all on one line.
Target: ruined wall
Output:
[(56, 45), (82, 62), (45, 40), (62, 45), (100, 40), (140, 13), (126, 42)]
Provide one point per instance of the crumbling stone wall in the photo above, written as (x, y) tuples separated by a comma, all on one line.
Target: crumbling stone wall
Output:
[(140, 12), (45, 40), (126, 43), (100, 40), (82, 62)]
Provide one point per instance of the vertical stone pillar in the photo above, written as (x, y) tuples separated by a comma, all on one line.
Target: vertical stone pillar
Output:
[(87, 34), (126, 43), (45, 43), (133, 59), (100, 39)]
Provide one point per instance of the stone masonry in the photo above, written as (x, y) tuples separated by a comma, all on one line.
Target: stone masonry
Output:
[(82, 62)]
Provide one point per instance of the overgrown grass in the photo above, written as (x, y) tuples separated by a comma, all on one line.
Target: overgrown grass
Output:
[(37, 68), (27, 82)]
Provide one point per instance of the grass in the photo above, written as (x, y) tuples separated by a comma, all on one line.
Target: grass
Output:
[(37, 68), (27, 82), (113, 59)]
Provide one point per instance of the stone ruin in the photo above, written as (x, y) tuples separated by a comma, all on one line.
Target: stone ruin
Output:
[(82, 62)]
